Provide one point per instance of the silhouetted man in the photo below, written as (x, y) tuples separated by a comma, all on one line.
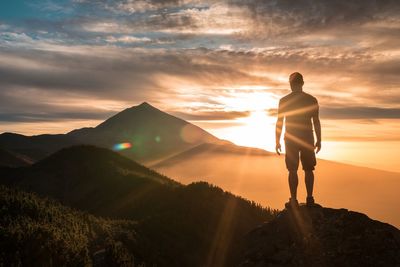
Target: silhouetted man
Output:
[(300, 112)]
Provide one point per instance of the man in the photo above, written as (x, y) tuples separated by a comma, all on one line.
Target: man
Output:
[(300, 112)]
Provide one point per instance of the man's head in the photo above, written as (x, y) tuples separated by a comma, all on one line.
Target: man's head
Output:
[(296, 81)]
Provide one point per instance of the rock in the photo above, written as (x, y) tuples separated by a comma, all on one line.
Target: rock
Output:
[(318, 236)]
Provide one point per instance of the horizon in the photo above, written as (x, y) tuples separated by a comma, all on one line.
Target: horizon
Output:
[(142, 132), (221, 65), (369, 162)]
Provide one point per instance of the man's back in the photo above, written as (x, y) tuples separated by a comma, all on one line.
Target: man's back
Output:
[(298, 109)]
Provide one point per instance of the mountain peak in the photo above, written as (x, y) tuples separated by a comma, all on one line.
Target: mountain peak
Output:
[(152, 133), (131, 117), (145, 104), (317, 236)]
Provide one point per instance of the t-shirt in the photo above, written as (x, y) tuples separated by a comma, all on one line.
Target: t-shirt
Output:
[(298, 108)]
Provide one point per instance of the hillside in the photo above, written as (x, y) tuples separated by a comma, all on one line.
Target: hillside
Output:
[(37, 231), (188, 225), (93, 179), (34, 147), (263, 178), (8, 159), (210, 149), (322, 237), (41, 232)]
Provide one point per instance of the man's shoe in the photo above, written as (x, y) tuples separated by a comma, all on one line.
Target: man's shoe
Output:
[(292, 203), (310, 201)]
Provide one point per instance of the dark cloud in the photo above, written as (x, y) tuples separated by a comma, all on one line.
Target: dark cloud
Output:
[(368, 114), (299, 17), (53, 116), (25, 106), (115, 76), (360, 113)]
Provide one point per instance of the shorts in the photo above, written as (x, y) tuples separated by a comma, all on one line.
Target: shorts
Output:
[(304, 152)]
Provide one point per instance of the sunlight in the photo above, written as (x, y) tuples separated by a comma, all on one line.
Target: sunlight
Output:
[(256, 130), (249, 98), (257, 118)]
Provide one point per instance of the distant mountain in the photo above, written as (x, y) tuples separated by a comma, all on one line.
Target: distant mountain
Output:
[(193, 225), (209, 150), (41, 232), (90, 178), (34, 147), (8, 159), (322, 237), (151, 133)]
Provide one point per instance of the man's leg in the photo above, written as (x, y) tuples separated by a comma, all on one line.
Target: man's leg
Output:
[(292, 164), (293, 183), (308, 161), (309, 179)]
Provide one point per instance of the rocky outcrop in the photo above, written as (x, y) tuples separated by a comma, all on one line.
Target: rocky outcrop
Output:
[(317, 236)]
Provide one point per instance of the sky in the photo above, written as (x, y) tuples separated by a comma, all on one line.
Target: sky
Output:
[(222, 65)]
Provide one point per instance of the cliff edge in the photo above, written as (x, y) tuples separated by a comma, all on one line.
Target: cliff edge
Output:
[(318, 236)]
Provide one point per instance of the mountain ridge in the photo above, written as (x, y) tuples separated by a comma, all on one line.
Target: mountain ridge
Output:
[(179, 222), (221, 148), (151, 133)]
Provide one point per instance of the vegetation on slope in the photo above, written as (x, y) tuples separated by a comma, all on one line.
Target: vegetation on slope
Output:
[(9, 159), (36, 231), (178, 225)]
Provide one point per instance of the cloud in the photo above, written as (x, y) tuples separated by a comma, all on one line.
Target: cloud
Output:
[(360, 113), (207, 54), (127, 39), (367, 114), (243, 24), (211, 115), (302, 16), (193, 75), (52, 116)]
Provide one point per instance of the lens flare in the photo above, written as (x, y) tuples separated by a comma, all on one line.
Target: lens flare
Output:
[(121, 146), (190, 134)]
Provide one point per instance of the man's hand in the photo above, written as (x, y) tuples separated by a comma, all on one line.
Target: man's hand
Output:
[(317, 146), (278, 148)]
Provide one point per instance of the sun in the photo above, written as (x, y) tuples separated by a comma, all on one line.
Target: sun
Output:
[(256, 119), (258, 128)]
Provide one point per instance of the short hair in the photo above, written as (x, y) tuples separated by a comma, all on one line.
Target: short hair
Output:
[(296, 78)]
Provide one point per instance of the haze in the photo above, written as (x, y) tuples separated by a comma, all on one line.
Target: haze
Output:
[(260, 178)]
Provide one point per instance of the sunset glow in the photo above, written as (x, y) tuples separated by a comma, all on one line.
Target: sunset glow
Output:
[(200, 133), (222, 65)]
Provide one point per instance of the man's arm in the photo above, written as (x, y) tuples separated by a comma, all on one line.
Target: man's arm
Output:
[(278, 130), (317, 128)]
